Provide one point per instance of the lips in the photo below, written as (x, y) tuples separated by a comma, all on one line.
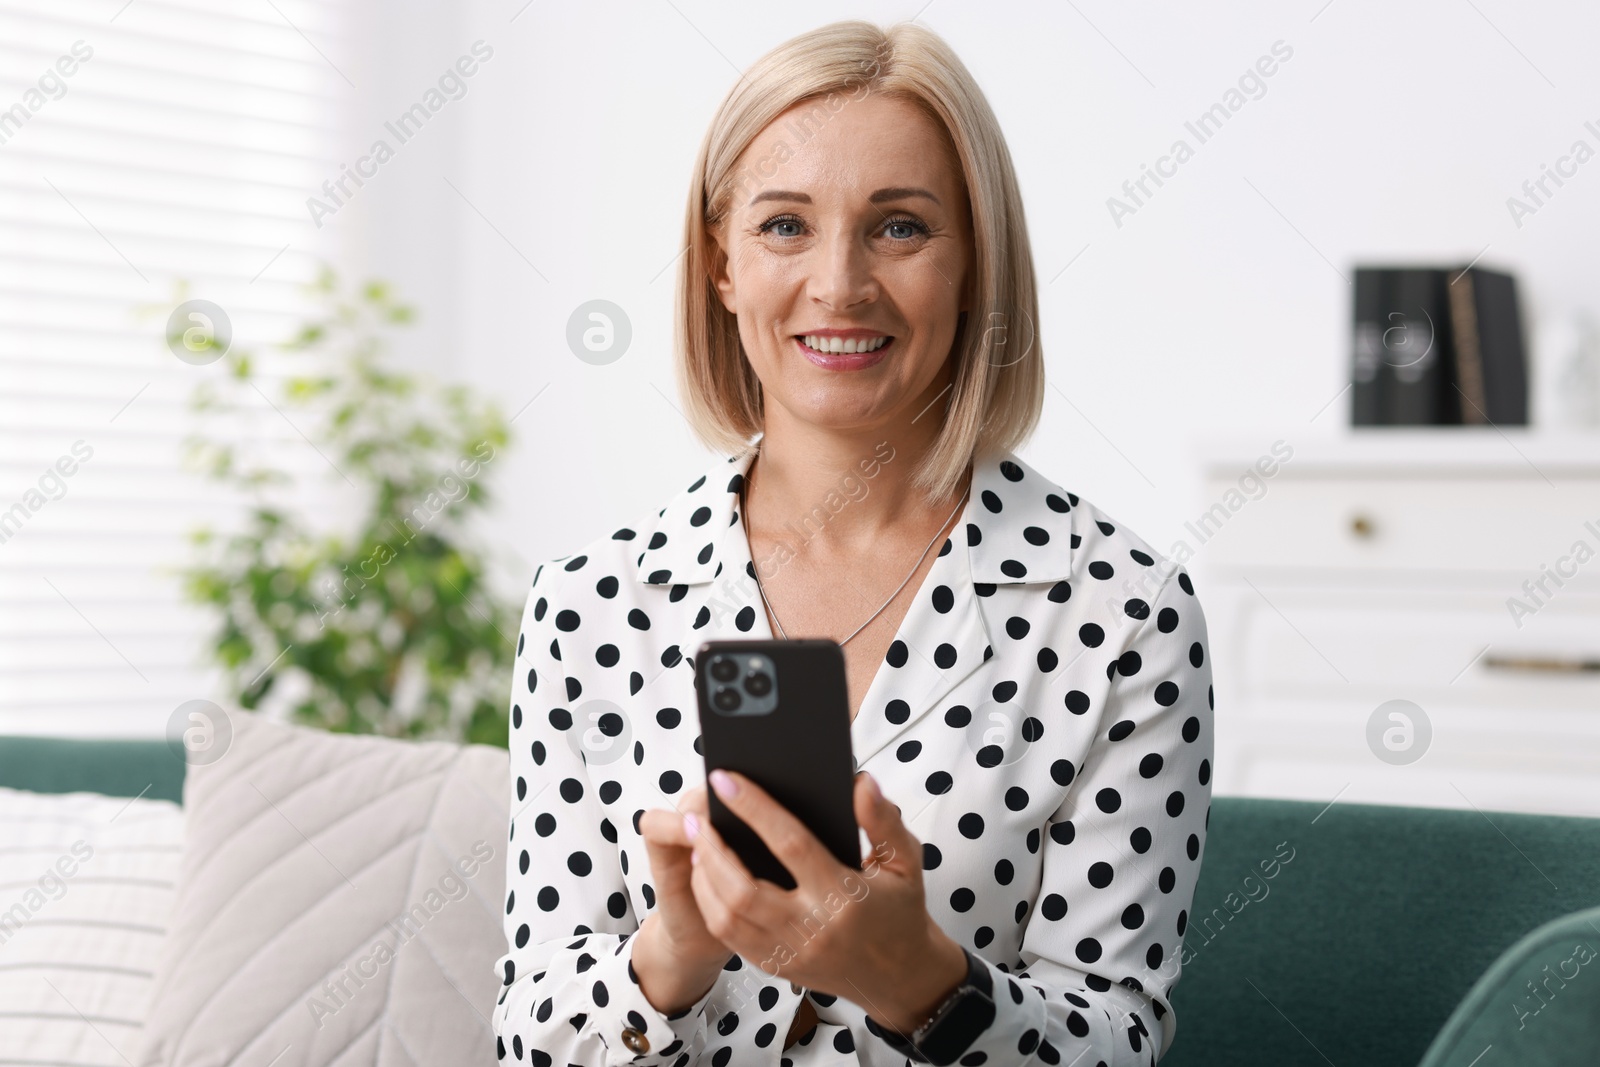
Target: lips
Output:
[(841, 361)]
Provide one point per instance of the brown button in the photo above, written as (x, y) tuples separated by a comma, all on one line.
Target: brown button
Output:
[(635, 1041)]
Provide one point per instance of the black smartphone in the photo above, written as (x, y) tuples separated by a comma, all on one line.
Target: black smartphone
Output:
[(778, 712)]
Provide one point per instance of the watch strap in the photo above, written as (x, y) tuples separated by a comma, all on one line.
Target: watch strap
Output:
[(963, 1015)]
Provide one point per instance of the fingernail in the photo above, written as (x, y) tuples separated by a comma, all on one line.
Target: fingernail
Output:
[(691, 825), (872, 783), (694, 858), (724, 784)]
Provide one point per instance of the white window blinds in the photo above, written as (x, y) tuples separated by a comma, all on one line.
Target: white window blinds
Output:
[(140, 143)]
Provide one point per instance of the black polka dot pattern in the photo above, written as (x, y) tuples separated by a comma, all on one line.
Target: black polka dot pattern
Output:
[(1043, 719)]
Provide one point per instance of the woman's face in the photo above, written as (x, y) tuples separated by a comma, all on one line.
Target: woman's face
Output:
[(853, 219)]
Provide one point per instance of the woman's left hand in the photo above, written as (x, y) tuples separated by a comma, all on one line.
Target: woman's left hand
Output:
[(864, 935)]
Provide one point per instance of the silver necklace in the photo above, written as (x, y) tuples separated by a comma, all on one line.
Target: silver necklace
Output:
[(744, 518)]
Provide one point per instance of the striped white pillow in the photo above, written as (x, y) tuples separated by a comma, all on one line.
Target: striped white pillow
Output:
[(86, 890)]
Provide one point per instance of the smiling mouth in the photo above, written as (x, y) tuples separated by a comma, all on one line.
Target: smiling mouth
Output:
[(851, 355), (834, 346)]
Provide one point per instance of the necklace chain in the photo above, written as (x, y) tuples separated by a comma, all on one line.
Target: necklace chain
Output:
[(744, 518)]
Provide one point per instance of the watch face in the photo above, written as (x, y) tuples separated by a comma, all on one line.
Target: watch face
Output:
[(951, 1006), (964, 1015), (956, 1023)]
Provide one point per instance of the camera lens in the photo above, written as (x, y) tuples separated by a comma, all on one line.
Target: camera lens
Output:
[(758, 684), (725, 698), (724, 669)]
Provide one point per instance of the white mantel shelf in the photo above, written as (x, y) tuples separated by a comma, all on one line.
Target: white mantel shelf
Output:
[(1478, 451)]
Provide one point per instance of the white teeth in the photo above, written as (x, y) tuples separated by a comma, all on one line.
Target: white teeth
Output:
[(834, 344)]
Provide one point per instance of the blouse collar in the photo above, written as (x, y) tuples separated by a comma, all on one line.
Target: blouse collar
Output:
[(1016, 526)]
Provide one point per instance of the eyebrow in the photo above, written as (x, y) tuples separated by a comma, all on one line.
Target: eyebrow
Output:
[(879, 197)]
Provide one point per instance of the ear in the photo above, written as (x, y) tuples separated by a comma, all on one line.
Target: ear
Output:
[(718, 267)]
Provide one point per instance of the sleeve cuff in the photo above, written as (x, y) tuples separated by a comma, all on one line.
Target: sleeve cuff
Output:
[(630, 1027), (1016, 1026)]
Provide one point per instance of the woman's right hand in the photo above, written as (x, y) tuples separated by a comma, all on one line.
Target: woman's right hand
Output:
[(682, 934), (681, 928)]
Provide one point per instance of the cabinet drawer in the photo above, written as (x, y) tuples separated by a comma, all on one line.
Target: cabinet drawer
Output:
[(1365, 646), (1507, 524)]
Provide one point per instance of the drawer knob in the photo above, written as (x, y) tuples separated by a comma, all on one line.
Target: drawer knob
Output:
[(1362, 526)]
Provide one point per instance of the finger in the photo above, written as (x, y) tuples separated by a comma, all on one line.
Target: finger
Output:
[(789, 839), (755, 906), (659, 826), (695, 800), (727, 918), (724, 870), (886, 831)]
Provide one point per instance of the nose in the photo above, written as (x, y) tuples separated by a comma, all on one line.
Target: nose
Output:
[(841, 273)]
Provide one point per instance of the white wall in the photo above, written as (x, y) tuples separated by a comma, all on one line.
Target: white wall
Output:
[(1394, 132)]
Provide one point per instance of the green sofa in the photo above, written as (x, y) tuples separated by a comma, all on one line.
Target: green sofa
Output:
[(1352, 935), (1359, 949), (111, 768)]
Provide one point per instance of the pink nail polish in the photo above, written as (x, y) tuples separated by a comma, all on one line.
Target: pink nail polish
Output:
[(691, 825), (724, 784)]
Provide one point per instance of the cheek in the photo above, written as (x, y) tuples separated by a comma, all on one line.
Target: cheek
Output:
[(754, 264), (765, 285), (932, 308), (926, 287)]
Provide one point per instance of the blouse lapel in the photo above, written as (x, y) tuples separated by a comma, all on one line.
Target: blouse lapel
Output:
[(1016, 527), (932, 653)]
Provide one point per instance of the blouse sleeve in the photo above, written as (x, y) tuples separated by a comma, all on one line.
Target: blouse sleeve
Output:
[(571, 994), (1121, 857)]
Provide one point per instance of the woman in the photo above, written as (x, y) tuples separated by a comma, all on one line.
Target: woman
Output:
[(1029, 692)]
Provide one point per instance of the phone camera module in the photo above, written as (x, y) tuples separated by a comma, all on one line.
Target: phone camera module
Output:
[(737, 679)]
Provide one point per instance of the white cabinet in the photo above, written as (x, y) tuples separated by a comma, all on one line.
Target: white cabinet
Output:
[(1385, 565)]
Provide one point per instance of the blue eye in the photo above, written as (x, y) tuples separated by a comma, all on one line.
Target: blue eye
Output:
[(766, 227), (917, 228)]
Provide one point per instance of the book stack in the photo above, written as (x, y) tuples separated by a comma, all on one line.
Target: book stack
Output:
[(1437, 346)]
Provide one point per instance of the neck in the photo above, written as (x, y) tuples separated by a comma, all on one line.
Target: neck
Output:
[(844, 493)]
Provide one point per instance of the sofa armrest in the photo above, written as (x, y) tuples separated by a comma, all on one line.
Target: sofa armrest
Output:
[(117, 768)]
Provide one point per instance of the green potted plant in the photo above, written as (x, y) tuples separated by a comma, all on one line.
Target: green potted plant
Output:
[(386, 623)]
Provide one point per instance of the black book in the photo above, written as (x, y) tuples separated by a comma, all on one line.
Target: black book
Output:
[(1416, 371), (1366, 348), (1437, 346), (1490, 353)]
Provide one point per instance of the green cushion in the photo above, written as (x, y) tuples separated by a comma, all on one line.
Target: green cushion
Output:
[(1538, 1006), (114, 768), (1356, 950)]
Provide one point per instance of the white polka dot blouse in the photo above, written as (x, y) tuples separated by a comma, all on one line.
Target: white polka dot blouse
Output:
[(1043, 719)]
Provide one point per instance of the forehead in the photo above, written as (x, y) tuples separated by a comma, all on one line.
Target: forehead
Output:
[(844, 148)]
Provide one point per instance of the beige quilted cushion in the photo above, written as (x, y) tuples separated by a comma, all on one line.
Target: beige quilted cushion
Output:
[(339, 903)]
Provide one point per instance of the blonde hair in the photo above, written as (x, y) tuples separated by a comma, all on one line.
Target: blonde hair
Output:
[(997, 391)]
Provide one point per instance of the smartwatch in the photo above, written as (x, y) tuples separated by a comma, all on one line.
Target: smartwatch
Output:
[(955, 1023)]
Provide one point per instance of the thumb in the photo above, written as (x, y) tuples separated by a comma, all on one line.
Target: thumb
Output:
[(887, 835)]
